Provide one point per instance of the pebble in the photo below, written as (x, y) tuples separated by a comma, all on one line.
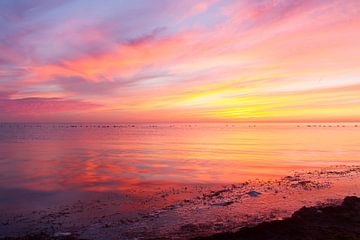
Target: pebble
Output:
[(254, 194), (222, 204)]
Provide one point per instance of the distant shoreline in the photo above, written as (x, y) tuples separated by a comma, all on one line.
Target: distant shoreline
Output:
[(184, 122)]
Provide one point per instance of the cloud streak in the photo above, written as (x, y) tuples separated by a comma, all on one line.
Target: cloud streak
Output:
[(50, 105), (207, 60)]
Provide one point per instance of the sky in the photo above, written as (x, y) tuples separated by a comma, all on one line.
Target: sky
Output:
[(180, 61)]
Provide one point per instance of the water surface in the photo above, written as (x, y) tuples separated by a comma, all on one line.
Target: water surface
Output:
[(45, 163)]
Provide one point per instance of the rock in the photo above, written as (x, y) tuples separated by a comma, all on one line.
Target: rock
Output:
[(222, 204), (217, 193), (254, 194), (303, 183), (315, 223)]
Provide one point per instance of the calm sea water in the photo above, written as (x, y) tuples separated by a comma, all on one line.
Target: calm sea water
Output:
[(39, 159)]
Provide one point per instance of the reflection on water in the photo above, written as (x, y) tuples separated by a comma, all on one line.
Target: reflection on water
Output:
[(55, 158)]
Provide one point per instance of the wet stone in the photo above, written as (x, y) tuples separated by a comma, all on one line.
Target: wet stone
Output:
[(254, 194)]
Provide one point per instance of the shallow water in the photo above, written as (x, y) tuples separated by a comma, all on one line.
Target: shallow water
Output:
[(48, 159), (165, 178)]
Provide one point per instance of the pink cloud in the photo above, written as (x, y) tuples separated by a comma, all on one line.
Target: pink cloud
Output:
[(179, 56), (40, 106)]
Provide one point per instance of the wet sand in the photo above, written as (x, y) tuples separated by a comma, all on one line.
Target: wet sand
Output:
[(186, 211)]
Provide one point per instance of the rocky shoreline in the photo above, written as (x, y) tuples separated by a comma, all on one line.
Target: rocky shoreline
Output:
[(185, 211), (309, 223), (314, 223)]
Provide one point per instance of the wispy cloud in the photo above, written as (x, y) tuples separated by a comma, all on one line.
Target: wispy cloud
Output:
[(194, 60), (28, 108)]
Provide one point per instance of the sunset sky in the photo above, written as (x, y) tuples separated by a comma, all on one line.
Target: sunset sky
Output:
[(176, 61)]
